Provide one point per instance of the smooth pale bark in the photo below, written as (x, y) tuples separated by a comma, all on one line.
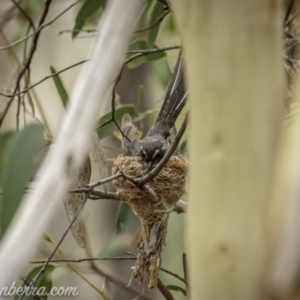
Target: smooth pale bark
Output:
[(284, 214), (234, 71), (72, 142)]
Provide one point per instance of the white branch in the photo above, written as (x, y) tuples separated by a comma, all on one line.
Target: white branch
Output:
[(32, 218)]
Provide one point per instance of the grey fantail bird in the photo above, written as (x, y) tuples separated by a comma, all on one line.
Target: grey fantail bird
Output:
[(157, 141)]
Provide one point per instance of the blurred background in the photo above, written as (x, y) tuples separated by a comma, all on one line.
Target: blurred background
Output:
[(140, 91)]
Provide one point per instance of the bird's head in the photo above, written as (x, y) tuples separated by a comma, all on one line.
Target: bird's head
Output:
[(152, 150)]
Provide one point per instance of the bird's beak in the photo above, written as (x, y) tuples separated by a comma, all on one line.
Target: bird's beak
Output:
[(149, 165)]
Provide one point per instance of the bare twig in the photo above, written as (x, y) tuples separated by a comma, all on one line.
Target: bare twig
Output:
[(77, 30), (46, 263), (164, 290), (105, 195), (185, 268), (292, 18), (174, 275), (159, 20), (118, 282), (24, 13), (80, 260), (288, 11), (41, 27), (26, 283), (138, 54), (149, 51), (27, 61), (46, 78), (108, 179), (84, 259), (9, 14)]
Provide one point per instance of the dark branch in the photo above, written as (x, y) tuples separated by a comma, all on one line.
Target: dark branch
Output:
[(159, 20), (46, 263), (45, 78), (164, 290)]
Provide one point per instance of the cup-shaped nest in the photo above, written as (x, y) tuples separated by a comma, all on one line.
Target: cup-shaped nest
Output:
[(152, 204), (168, 185)]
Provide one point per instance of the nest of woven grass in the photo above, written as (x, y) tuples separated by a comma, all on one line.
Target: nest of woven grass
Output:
[(168, 185), (152, 204)]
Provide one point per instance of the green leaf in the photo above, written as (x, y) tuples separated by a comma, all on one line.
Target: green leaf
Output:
[(156, 11), (43, 284), (4, 140), (176, 288), (89, 8), (116, 246), (23, 155), (108, 288), (138, 45), (142, 45), (60, 87), (155, 56), (118, 242), (183, 147), (124, 218), (143, 21), (119, 112)]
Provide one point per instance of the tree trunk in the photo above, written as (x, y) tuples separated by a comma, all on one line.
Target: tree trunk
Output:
[(234, 72)]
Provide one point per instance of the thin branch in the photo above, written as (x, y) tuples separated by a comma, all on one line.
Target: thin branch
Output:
[(174, 275), (115, 258), (26, 282), (185, 268), (77, 30), (159, 20), (45, 78), (41, 27), (292, 18), (105, 195), (103, 181), (24, 13), (149, 51), (118, 282), (164, 290), (46, 263), (84, 259), (9, 14), (288, 11), (138, 54), (28, 59)]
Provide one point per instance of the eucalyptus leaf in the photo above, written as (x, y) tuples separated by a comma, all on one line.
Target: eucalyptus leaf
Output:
[(89, 8), (114, 247), (60, 87), (43, 284), (23, 156), (124, 218), (155, 12), (138, 45), (4, 140), (143, 45), (176, 288)]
